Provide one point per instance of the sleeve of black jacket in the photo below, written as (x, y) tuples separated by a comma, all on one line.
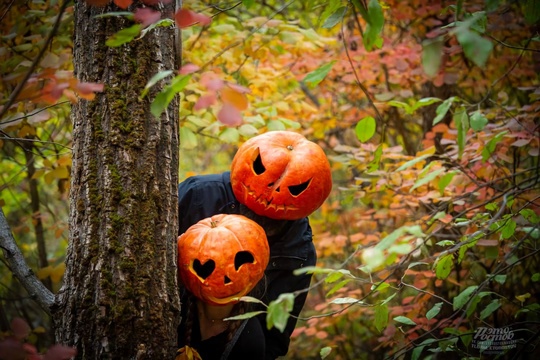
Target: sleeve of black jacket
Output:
[(280, 279)]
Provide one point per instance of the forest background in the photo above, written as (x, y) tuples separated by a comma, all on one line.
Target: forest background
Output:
[(428, 112)]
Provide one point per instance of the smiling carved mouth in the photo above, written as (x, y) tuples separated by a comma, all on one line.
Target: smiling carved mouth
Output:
[(228, 299)]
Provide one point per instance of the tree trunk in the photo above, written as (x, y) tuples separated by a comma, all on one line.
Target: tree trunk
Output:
[(119, 299)]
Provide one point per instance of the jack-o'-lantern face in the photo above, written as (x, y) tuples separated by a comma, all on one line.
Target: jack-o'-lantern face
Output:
[(281, 175), (221, 258)]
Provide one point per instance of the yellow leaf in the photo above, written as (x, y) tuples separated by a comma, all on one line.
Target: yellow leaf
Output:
[(187, 353), (39, 330), (44, 273), (57, 272), (64, 161), (523, 297)]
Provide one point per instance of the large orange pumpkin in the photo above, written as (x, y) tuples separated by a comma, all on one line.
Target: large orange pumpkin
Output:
[(281, 175), (221, 258)]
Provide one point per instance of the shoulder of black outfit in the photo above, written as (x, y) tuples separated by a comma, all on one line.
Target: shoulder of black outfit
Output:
[(202, 196)]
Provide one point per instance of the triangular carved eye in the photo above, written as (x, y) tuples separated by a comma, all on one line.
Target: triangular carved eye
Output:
[(296, 190), (204, 270), (258, 166), (241, 258)]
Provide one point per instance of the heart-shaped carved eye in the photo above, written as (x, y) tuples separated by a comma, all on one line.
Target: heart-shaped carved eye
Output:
[(204, 270), (243, 257)]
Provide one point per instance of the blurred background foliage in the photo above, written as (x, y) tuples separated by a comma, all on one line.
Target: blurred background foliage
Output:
[(428, 112)]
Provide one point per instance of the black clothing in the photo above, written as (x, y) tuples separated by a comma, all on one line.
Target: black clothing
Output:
[(250, 343), (202, 196)]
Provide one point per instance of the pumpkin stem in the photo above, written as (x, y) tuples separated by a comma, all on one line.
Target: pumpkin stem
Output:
[(290, 147), (213, 223)]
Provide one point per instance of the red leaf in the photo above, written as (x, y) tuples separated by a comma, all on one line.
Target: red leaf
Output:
[(188, 69), (20, 328), (60, 352), (11, 348), (185, 18), (205, 101), (146, 16), (124, 4), (229, 115)]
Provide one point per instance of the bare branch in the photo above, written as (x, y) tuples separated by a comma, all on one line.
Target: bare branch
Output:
[(35, 288)]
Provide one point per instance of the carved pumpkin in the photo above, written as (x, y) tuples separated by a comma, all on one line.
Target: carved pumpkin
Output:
[(221, 258), (281, 175)]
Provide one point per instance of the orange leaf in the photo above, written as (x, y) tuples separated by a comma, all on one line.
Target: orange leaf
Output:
[(233, 97)]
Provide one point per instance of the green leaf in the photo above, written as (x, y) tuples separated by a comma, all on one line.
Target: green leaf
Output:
[(166, 95), (461, 120), (443, 266), (490, 309), (412, 162), (535, 277), (365, 128), (476, 48), (316, 76), (375, 23), (532, 12), (428, 178), (346, 300), (478, 121), (335, 18), (229, 135), (124, 36), (425, 102), (508, 229), (381, 317), (442, 109), (325, 351), (374, 164), (445, 180), (330, 9), (279, 311), (432, 51), (338, 286), (530, 215), (153, 81), (404, 320), (434, 311), (188, 140), (463, 297), (248, 3), (489, 148)]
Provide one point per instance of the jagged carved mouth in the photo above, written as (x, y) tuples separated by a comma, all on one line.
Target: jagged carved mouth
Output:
[(267, 203)]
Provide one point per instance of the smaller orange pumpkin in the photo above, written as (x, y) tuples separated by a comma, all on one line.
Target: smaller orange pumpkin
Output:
[(221, 258), (281, 175)]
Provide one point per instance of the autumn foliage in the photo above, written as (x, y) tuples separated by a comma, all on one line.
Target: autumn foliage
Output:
[(428, 112)]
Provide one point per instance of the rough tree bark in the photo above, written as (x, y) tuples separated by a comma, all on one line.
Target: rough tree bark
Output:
[(119, 298)]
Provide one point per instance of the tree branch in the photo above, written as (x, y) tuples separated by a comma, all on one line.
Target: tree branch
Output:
[(37, 291)]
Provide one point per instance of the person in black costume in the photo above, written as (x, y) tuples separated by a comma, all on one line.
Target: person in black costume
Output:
[(291, 245), (221, 259)]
